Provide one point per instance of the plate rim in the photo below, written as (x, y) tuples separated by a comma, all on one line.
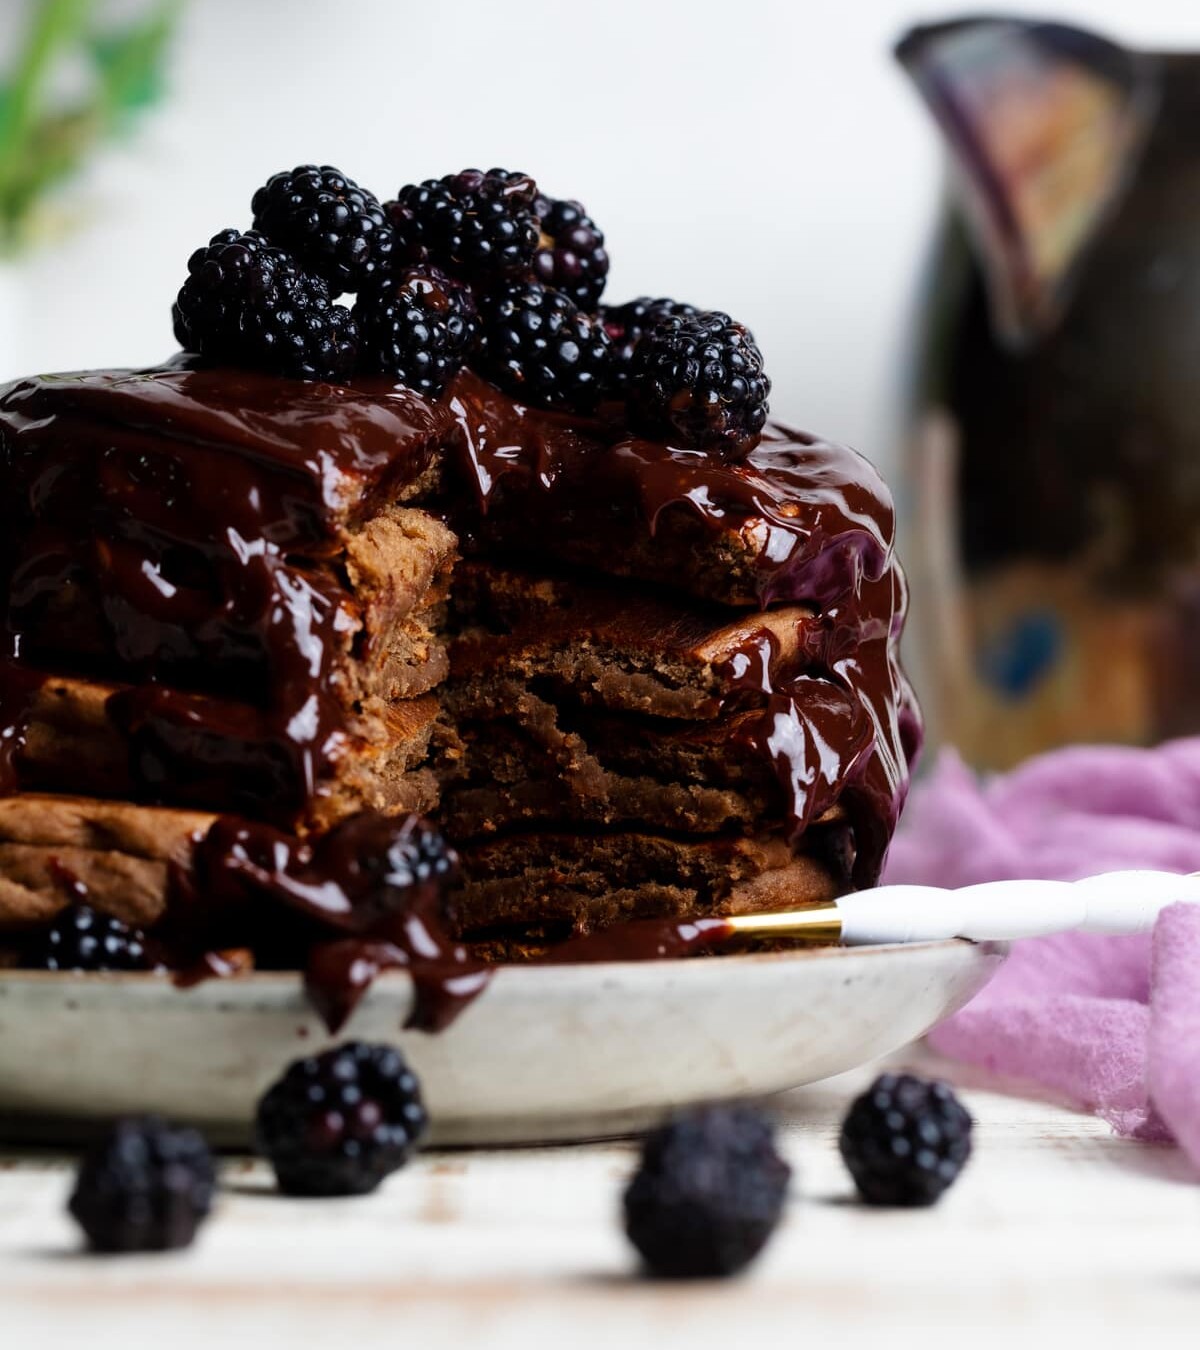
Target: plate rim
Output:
[(739, 960)]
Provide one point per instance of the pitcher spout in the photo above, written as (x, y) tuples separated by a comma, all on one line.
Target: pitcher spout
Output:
[(1045, 125)]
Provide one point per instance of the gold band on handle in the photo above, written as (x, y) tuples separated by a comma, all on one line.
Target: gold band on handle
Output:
[(815, 924)]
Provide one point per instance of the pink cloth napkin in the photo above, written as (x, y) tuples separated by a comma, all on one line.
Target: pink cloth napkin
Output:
[(1112, 1022)]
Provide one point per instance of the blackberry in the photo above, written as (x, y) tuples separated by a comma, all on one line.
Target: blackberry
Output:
[(247, 302), (627, 324), (81, 938), (417, 326), (389, 865), (905, 1140), (571, 255), (337, 1124), (145, 1186), (699, 379), (330, 225), (543, 349), (418, 855), (480, 225), (708, 1194)]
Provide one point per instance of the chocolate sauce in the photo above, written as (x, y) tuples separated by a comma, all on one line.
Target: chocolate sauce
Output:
[(813, 732), (185, 519), (445, 980), (342, 906), (823, 528), (214, 965), (642, 940), (182, 509), (821, 515), (18, 689)]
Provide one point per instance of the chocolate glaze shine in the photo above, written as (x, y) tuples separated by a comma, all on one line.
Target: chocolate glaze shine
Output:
[(186, 504), (820, 527), (642, 940), (193, 507), (332, 906), (276, 459), (820, 515)]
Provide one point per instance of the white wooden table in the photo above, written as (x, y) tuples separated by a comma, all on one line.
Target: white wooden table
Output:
[(1056, 1228)]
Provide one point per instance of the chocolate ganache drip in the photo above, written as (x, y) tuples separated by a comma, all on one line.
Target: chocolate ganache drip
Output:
[(341, 907), (195, 511), (188, 505), (823, 530)]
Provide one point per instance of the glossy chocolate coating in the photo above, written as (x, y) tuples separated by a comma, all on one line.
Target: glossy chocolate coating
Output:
[(822, 527), (642, 940), (329, 906), (191, 505), (188, 505)]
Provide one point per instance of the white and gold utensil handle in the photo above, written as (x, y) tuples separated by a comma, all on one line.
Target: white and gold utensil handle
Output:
[(1114, 902)]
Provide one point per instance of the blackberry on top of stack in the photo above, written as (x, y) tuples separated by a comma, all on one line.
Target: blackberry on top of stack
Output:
[(478, 267), (472, 544)]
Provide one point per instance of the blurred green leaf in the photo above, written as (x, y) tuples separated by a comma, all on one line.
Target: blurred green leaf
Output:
[(56, 149), (40, 146), (54, 27), (130, 63)]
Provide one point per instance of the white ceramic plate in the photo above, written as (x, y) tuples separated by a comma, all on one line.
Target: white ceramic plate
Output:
[(546, 1053)]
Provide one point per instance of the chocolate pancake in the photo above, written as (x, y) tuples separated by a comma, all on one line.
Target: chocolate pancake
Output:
[(192, 751), (121, 855), (576, 883)]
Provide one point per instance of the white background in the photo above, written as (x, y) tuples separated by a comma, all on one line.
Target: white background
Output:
[(760, 156)]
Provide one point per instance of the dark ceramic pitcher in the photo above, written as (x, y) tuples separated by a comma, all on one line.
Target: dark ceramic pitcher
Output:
[(1055, 524)]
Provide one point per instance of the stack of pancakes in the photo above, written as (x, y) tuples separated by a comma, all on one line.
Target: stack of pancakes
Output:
[(625, 679), (606, 758)]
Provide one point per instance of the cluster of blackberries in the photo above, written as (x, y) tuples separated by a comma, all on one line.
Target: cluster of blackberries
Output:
[(707, 1195), (475, 266), (418, 266)]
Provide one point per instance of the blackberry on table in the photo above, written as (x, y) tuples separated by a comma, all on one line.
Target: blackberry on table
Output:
[(479, 225), (144, 1186), (418, 326), (543, 349), (571, 256), (330, 225), (82, 938), (698, 379), (905, 1140), (340, 1122), (247, 302), (708, 1194)]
